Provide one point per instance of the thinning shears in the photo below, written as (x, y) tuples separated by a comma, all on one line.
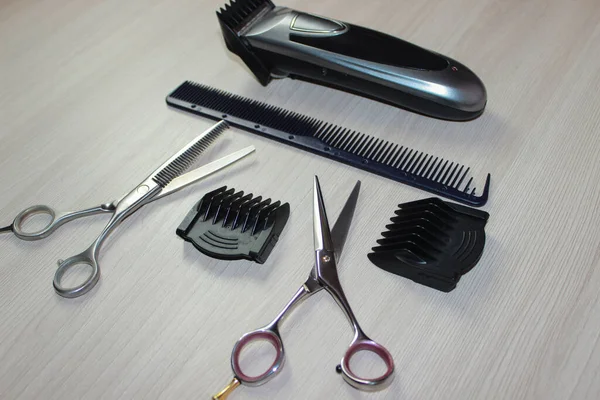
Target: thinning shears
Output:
[(328, 247), (165, 180)]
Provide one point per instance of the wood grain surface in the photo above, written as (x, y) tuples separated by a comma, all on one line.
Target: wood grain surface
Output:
[(83, 119)]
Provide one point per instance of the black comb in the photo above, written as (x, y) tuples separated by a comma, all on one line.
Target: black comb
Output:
[(432, 242), (384, 158), (229, 225)]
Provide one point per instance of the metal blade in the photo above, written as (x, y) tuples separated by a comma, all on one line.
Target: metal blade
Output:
[(6, 229), (340, 230), (322, 233), (182, 160), (335, 239), (203, 171)]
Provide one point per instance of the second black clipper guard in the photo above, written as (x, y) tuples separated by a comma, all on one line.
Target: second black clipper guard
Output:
[(432, 242), (229, 225)]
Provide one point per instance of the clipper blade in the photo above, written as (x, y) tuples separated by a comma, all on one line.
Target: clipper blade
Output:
[(432, 242), (239, 14), (234, 18), (229, 225)]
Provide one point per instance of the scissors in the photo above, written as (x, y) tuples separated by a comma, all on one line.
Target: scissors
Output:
[(163, 181), (328, 245)]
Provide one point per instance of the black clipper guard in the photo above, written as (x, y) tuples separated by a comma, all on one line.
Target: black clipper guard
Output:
[(432, 242), (229, 225)]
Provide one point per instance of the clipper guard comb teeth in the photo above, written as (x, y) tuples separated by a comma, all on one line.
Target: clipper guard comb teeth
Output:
[(229, 225), (432, 242)]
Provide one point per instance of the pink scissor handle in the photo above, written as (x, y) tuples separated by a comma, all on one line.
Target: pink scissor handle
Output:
[(368, 384), (269, 335)]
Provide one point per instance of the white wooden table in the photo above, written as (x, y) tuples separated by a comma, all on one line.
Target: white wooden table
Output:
[(83, 119)]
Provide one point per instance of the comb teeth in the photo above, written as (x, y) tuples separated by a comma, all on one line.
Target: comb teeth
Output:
[(233, 210), (239, 13), (260, 114), (186, 157), (402, 164)]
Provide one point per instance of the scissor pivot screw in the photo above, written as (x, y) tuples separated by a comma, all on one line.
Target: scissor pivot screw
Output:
[(326, 258), (143, 189), (338, 369)]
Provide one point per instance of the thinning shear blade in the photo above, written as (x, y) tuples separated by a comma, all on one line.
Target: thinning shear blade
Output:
[(203, 171)]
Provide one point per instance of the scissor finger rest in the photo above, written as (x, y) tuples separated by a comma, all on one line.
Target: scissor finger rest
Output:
[(261, 334), (86, 258), (368, 384)]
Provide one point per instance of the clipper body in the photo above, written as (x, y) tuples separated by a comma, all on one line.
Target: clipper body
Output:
[(278, 42)]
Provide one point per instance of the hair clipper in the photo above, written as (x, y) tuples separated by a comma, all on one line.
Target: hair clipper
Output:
[(277, 42)]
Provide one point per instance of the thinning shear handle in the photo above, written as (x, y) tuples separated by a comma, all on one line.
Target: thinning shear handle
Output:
[(125, 207), (56, 220)]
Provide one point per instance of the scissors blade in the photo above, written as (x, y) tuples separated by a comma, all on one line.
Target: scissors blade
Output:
[(182, 160), (6, 229), (322, 233), (335, 238), (204, 171), (340, 230)]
